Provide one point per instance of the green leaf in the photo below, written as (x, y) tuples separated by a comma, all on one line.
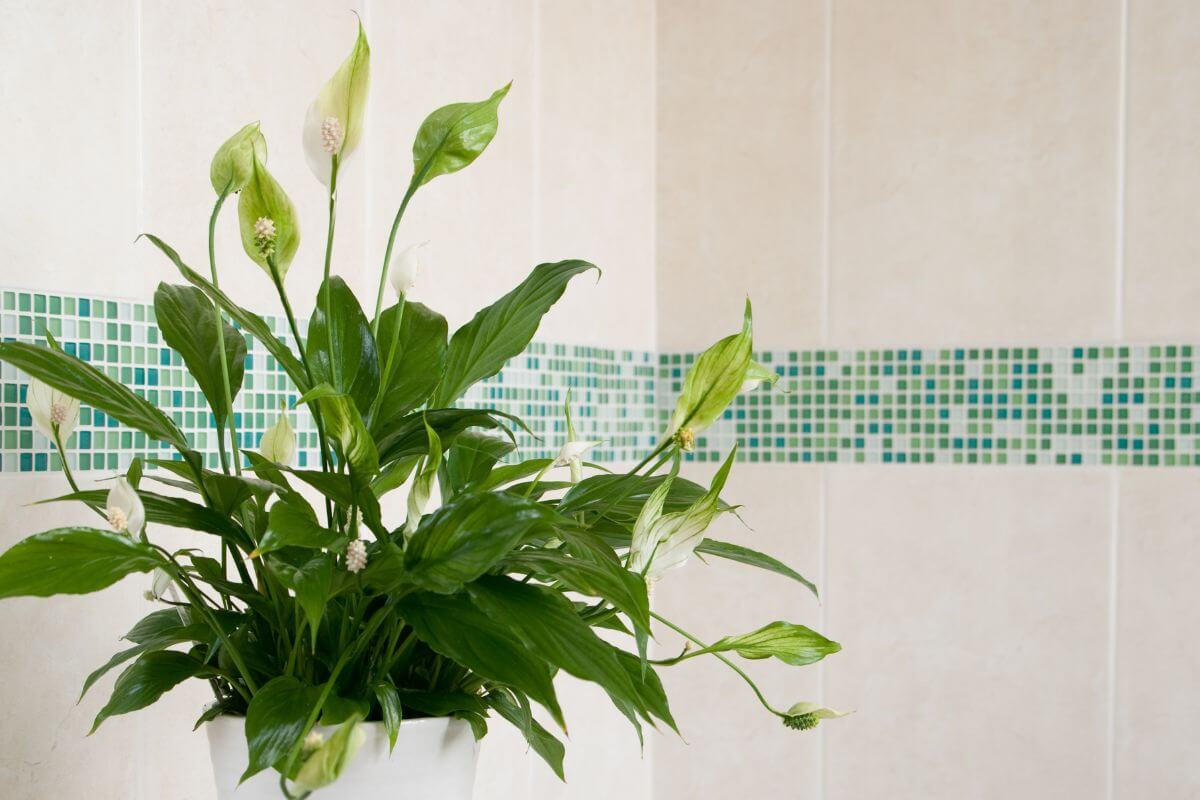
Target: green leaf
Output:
[(310, 576), (92, 387), (547, 623), (753, 558), (146, 680), (188, 323), (293, 524), (72, 561), (648, 686), (275, 720), (472, 457), (454, 136), (345, 426), (622, 496), (502, 330), (790, 643), (456, 629), (250, 322), (341, 349), (442, 704), (337, 709), (418, 362), (461, 541), (715, 380), (520, 716), (408, 436), (389, 706), (163, 510), (158, 631)]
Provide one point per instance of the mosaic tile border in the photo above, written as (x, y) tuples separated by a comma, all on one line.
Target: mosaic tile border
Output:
[(1124, 405)]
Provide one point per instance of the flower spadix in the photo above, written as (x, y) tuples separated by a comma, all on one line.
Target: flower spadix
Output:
[(278, 444), (51, 409), (270, 233), (334, 123), (664, 541), (233, 165), (409, 267), (805, 716), (123, 509)]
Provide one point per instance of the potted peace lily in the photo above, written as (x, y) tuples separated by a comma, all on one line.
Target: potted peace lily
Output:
[(339, 644)]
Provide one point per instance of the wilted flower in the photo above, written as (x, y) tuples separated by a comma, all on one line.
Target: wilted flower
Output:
[(124, 509), (334, 122), (52, 409), (805, 716), (356, 556), (409, 267), (233, 165), (278, 444)]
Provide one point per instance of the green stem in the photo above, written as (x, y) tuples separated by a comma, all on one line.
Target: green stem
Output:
[(212, 264), (391, 242), (723, 659), (333, 176), (62, 456)]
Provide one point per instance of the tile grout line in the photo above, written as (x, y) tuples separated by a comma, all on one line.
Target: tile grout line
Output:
[(1115, 480), (826, 328), (139, 219), (652, 745)]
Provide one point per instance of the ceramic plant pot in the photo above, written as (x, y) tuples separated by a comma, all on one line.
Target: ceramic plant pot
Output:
[(434, 759)]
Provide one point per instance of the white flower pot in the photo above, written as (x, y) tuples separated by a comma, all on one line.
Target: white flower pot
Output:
[(434, 759)]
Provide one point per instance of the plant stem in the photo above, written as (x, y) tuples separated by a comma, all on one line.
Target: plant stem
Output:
[(333, 176), (723, 659), (62, 456), (212, 264), (391, 242)]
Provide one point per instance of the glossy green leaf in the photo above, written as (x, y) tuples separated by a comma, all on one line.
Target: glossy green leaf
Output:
[(715, 379), (390, 708), (547, 623), (165, 510), (92, 387), (648, 686), (790, 643), (189, 324), (461, 541), (407, 436), (146, 680), (455, 628), (454, 136), (341, 349), (250, 322), (158, 631), (275, 720), (753, 558), (502, 330), (517, 711), (310, 576), (420, 356), (72, 561), (472, 456), (293, 524)]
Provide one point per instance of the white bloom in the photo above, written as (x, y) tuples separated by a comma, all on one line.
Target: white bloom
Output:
[(571, 455), (278, 444), (124, 509), (313, 740), (161, 585), (356, 556), (335, 120), (49, 408), (409, 267)]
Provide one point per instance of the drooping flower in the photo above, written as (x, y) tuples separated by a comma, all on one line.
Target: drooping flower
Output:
[(233, 165), (160, 585), (356, 556), (806, 716), (330, 757), (278, 444), (333, 125), (663, 542), (52, 409), (124, 509), (409, 267)]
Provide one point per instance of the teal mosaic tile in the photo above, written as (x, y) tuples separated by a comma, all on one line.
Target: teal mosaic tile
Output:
[(1124, 405)]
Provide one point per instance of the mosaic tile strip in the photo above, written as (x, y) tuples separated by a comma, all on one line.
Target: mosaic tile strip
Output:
[(1133, 405), (1125, 405), (613, 391)]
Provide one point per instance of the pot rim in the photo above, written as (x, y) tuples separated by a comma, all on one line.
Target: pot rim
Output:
[(240, 720)]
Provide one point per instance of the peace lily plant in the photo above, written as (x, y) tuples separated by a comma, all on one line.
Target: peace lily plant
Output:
[(304, 616)]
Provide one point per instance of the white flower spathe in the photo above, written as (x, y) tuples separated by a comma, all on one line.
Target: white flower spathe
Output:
[(124, 509), (160, 585), (409, 267), (333, 124), (50, 408), (278, 443), (571, 455)]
